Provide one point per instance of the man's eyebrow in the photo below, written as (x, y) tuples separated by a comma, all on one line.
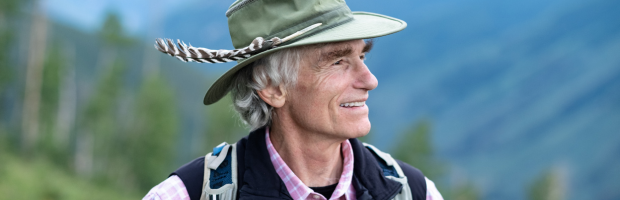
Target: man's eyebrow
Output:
[(343, 51), (368, 46), (336, 53)]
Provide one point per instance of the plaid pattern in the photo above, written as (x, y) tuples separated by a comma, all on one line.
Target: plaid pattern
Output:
[(299, 191), (171, 189)]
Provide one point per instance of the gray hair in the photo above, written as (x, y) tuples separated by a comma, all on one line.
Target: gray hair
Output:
[(279, 68)]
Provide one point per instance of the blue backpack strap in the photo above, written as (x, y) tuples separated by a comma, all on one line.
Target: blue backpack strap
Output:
[(220, 173), (387, 170), (386, 162), (392, 170)]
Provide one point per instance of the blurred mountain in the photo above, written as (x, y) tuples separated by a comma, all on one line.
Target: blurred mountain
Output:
[(511, 88)]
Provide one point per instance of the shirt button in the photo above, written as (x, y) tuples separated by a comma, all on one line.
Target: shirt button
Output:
[(316, 196)]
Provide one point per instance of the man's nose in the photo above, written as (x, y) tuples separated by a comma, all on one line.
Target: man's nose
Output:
[(365, 79)]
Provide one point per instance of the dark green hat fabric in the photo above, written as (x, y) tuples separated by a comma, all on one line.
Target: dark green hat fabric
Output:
[(272, 18), (249, 19)]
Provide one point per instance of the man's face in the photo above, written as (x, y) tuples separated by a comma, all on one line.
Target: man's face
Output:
[(331, 92)]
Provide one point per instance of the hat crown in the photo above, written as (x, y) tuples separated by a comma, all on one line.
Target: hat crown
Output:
[(249, 19)]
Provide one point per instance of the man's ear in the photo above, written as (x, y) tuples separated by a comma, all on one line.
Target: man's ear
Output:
[(273, 95)]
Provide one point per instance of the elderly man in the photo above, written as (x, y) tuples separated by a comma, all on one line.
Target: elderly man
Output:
[(301, 85)]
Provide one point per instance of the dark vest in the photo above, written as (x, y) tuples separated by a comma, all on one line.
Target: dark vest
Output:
[(258, 179)]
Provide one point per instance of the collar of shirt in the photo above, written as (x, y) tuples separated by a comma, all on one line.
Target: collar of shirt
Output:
[(299, 191)]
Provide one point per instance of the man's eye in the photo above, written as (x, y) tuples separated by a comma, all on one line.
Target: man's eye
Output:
[(338, 62), (363, 57)]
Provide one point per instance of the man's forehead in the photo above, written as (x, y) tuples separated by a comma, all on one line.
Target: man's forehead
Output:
[(317, 54), (326, 51), (340, 45)]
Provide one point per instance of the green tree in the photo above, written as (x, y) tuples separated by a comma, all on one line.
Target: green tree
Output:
[(465, 191), (154, 131), (101, 125), (416, 148), (52, 76), (113, 33), (104, 122), (548, 186), (9, 12), (53, 73)]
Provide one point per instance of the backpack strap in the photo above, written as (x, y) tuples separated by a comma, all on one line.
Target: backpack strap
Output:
[(391, 170), (220, 173)]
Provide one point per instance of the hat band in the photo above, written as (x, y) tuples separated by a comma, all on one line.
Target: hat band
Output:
[(203, 55)]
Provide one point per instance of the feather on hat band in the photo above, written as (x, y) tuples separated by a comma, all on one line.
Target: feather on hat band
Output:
[(189, 53)]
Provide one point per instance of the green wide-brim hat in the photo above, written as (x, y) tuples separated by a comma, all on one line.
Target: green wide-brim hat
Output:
[(291, 22)]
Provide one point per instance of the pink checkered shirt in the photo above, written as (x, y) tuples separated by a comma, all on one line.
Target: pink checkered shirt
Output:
[(299, 191), (174, 189)]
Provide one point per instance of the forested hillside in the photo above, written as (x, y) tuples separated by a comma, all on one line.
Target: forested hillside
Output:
[(491, 99)]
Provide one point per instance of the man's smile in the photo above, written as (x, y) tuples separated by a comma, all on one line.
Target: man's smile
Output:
[(353, 104)]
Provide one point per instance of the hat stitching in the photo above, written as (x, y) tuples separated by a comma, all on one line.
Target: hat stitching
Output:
[(309, 19), (317, 31), (238, 6)]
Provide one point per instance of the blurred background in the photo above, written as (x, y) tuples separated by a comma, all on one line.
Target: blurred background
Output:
[(490, 99)]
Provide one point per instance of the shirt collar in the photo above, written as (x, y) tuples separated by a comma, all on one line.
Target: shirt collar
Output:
[(298, 190)]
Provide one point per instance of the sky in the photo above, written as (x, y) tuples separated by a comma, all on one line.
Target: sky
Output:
[(87, 15)]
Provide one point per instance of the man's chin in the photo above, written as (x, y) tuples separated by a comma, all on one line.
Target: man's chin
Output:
[(360, 130)]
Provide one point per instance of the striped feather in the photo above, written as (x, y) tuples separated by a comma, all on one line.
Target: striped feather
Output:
[(188, 53)]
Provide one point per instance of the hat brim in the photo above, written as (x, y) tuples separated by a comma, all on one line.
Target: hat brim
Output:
[(364, 25)]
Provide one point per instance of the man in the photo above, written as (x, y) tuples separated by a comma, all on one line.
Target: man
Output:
[(301, 85)]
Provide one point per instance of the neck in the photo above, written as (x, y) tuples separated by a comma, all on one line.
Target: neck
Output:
[(315, 160)]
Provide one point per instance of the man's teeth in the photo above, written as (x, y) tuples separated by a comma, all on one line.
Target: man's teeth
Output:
[(353, 104)]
